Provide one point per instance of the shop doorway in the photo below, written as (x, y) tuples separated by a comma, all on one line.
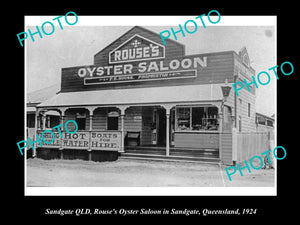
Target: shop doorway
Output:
[(113, 120), (161, 125), (112, 123)]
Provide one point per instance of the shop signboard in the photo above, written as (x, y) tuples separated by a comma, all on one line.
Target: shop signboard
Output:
[(94, 140), (140, 59), (106, 140)]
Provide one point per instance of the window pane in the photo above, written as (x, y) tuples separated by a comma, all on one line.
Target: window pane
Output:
[(199, 118), (183, 118), (270, 123), (211, 120)]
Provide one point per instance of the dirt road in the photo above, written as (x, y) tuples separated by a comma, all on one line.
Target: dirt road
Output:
[(138, 173)]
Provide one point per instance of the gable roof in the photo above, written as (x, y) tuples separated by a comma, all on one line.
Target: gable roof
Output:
[(135, 30)]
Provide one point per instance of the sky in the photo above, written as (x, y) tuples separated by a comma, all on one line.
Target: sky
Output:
[(77, 45)]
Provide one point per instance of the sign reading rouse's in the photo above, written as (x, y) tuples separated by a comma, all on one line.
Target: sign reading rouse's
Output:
[(140, 59)]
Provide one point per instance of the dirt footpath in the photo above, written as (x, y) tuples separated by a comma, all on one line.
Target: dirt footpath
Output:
[(139, 173)]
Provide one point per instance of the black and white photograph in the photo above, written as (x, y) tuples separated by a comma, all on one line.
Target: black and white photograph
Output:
[(143, 115), (127, 106)]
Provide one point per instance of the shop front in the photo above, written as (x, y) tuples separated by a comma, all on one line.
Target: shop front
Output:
[(140, 94)]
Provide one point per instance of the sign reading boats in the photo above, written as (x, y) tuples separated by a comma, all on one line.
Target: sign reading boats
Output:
[(138, 59)]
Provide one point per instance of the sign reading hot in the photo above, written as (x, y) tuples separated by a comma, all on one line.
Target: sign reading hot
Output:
[(137, 48)]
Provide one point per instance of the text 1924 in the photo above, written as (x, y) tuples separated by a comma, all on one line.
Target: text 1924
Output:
[(249, 211)]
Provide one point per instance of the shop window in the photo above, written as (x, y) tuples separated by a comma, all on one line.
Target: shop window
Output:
[(270, 123), (261, 120), (183, 119), (196, 118)]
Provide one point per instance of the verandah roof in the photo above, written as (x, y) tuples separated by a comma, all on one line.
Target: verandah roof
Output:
[(138, 96)]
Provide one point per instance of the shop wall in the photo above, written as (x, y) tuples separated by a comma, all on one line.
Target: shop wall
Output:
[(147, 114), (196, 140), (99, 119), (248, 122), (226, 148), (133, 119), (227, 122), (245, 97)]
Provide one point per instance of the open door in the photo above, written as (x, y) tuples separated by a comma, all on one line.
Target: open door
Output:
[(161, 127)]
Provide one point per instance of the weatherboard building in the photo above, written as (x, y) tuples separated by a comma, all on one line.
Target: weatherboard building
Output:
[(141, 98)]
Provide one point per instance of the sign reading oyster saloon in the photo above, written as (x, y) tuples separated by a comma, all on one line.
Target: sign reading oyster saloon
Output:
[(140, 59)]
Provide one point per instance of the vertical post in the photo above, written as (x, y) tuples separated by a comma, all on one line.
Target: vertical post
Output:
[(91, 113), (90, 135), (44, 122), (35, 131), (122, 133), (91, 122), (234, 146), (62, 116), (220, 117), (168, 134), (168, 109), (122, 110)]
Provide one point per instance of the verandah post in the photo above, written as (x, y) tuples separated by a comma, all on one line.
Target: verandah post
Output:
[(168, 134), (91, 111), (122, 115), (62, 117), (61, 139), (168, 110), (36, 127), (90, 137)]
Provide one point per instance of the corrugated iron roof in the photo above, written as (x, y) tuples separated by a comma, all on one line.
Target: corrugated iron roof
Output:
[(43, 94), (170, 94)]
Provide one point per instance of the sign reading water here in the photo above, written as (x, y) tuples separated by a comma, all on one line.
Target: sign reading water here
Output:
[(141, 59)]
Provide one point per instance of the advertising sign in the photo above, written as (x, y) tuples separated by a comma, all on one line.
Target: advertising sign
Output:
[(140, 59), (78, 140), (106, 140), (48, 140), (94, 140)]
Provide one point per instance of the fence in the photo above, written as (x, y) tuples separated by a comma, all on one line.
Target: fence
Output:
[(247, 145)]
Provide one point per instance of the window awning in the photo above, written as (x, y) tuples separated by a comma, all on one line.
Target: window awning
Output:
[(30, 109), (138, 96)]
